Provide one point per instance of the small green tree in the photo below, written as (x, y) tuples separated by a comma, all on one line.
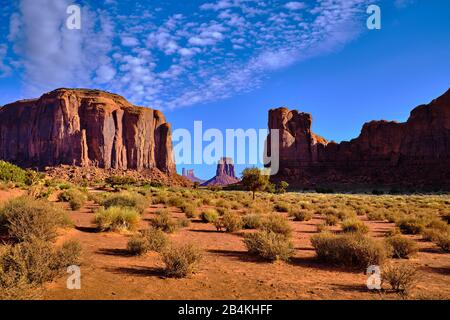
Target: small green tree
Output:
[(254, 180)]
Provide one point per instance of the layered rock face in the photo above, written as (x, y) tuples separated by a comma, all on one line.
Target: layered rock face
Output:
[(85, 128), (414, 154), (224, 174)]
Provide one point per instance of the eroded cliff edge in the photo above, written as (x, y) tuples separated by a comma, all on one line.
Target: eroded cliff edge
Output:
[(84, 128), (415, 153)]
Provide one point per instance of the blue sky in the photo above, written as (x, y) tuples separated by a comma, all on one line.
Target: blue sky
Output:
[(227, 62)]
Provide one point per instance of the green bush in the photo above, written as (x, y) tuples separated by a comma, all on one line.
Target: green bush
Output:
[(354, 225), (126, 200), (352, 250), (74, 197), (400, 247), (26, 219), (301, 215), (209, 216), (12, 173), (118, 181), (269, 245), (232, 222), (117, 219), (181, 261)]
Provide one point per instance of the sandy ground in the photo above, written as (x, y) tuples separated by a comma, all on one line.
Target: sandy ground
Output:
[(227, 271)]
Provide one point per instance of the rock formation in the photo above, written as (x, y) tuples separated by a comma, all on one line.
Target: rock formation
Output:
[(190, 175), (85, 128), (414, 154), (224, 174)]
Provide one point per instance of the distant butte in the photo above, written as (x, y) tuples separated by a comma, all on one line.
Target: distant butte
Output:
[(224, 174)]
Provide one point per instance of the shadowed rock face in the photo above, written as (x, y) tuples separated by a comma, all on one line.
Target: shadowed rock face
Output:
[(224, 174), (415, 153), (85, 128)]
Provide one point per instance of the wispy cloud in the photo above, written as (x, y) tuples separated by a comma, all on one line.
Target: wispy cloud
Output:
[(166, 57)]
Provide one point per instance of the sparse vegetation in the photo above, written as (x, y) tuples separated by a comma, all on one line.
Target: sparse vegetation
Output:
[(354, 225), (117, 219), (126, 200), (181, 261), (232, 222), (269, 245), (164, 222), (401, 247), (352, 250), (209, 216), (74, 197), (401, 277), (301, 214)]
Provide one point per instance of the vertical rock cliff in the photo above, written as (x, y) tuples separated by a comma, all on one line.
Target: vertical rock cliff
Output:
[(414, 154), (85, 128)]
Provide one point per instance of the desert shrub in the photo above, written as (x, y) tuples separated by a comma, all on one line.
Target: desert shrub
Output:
[(269, 245), (138, 245), (281, 207), (301, 214), (189, 210), (331, 220), (354, 225), (164, 222), (352, 250), (184, 222), (442, 240), (277, 224), (437, 224), (26, 218), (175, 201), (430, 234), (252, 221), (222, 211), (36, 262), (377, 215), (74, 197), (400, 247), (126, 200), (232, 222), (411, 225), (148, 240), (401, 277), (446, 217), (322, 227), (119, 181), (117, 219), (209, 216), (181, 261)]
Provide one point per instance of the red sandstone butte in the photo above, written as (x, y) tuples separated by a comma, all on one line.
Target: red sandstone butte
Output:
[(224, 174), (412, 154), (85, 128)]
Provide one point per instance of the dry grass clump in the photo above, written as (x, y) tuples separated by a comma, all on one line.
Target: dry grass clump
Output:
[(189, 210), (331, 220), (354, 225), (26, 219), (232, 222), (442, 240), (252, 221), (181, 261), (131, 200), (281, 207), (301, 214), (148, 240), (352, 250), (401, 247), (162, 221), (401, 277), (276, 224), (117, 219), (74, 197), (411, 225), (269, 245), (209, 215), (27, 265)]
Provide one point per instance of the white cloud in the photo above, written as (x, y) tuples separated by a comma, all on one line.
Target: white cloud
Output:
[(128, 41), (294, 5)]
